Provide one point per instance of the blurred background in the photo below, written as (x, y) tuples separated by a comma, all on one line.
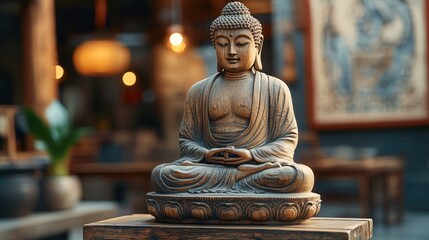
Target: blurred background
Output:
[(116, 66)]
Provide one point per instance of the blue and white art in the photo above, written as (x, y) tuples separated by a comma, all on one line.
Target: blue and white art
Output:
[(369, 61)]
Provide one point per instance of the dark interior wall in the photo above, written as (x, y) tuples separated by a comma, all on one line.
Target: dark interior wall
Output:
[(11, 55), (411, 143)]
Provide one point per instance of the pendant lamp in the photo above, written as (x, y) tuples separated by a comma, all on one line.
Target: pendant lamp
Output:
[(101, 55)]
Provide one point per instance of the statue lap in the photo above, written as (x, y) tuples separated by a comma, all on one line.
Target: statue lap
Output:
[(212, 178)]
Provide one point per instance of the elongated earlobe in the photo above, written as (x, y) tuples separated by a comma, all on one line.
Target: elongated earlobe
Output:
[(258, 62)]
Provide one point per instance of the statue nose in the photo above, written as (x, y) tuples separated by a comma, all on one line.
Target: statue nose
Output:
[(231, 50)]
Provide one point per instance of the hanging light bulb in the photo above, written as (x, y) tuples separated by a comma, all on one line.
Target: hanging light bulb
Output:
[(176, 40)]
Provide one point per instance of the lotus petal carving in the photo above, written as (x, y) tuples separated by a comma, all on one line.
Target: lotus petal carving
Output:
[(311, 208), (173, 210), (200, 210), (288, 212), (229, 211), (259, 212)]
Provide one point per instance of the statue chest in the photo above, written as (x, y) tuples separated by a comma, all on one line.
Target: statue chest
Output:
[(231, 99)]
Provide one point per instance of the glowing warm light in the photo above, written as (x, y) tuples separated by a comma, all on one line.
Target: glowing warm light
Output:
[(59, 72), (101, 57), (129, 78), (176, 39), (177, 42), (180, 48)]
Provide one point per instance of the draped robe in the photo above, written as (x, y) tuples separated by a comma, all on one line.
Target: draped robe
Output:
[(271, 137)]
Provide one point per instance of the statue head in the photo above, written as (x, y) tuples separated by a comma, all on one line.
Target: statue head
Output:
[(236, 16)]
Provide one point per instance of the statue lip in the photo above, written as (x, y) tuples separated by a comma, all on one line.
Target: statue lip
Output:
[(232, 60)]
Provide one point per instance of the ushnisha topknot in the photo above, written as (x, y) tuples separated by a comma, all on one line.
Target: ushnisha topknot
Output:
[(235, 15)]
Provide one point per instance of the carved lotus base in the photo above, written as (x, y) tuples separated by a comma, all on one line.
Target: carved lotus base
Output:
[(211, 208)]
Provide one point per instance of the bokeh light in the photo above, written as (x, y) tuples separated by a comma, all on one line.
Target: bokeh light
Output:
[(59, 72), (129, 78), (176, 39)]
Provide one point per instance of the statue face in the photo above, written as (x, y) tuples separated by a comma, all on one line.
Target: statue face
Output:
[(235, 49)]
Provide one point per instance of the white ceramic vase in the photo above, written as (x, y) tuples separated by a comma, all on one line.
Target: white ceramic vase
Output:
[(60, 192)]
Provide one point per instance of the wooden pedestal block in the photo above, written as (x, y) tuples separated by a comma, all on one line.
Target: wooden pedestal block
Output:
[(143, 226)]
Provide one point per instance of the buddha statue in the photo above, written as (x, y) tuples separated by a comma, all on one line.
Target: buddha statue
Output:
[(238, 133)]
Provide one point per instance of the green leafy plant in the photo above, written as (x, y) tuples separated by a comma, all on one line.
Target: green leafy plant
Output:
[(56, 137)]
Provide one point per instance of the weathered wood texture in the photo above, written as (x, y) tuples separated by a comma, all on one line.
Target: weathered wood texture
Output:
[(142, 226), (45, 224)]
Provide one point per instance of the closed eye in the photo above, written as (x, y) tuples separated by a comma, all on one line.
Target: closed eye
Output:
[(222, 44), (242, 44)]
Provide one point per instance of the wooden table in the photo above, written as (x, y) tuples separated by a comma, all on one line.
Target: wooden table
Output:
[(56, 223), (368, 172), (143, 226)]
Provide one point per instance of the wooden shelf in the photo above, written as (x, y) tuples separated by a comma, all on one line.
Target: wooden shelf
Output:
[(44, 224)]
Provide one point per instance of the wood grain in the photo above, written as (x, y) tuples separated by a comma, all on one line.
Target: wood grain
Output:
[(142, 226)]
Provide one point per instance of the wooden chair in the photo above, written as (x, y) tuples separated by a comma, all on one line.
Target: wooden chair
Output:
[(9, 151)]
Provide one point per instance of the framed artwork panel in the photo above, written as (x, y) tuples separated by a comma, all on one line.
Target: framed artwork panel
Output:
[(367, 62)]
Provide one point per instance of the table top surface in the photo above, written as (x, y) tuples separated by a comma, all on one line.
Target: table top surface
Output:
[(136, 220), (135, 223)]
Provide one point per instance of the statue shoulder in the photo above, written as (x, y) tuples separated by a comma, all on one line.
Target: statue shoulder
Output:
[(199, 87), (276, 83)]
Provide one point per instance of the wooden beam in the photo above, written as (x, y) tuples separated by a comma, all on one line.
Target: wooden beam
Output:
[(40, 54)]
